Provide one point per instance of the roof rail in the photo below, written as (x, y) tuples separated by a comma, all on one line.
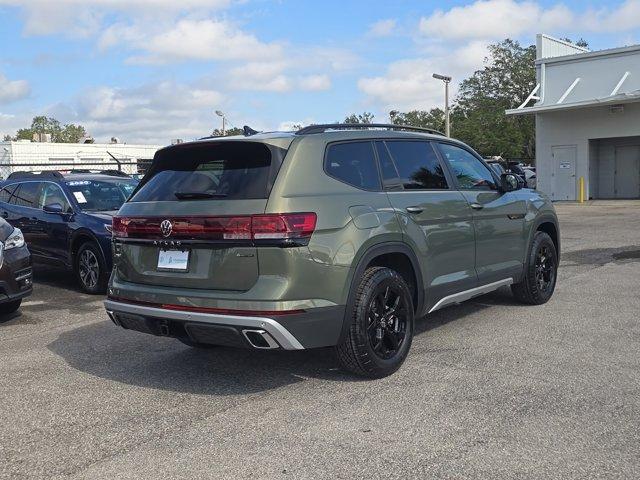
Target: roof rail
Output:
[(42, 174), (114, 173), (110, 172), (363, 126)]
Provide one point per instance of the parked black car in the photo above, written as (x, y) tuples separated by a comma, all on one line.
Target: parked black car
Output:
[(66, 218), (15, 268)]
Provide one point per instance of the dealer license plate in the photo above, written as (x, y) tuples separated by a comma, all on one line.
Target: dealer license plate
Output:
[(173, 260)]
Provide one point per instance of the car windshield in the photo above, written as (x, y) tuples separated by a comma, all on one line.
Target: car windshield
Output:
[(101, 195)]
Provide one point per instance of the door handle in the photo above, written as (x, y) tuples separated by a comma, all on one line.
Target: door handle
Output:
[(476, 206), (414, 209)]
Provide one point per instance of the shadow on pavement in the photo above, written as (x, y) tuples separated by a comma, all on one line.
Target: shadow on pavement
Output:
[(129, 357), (54, 277)]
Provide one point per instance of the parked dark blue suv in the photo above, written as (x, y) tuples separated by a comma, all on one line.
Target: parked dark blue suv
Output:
[(66, 218)]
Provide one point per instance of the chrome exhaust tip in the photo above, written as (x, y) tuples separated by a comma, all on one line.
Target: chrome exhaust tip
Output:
[(260, 339)]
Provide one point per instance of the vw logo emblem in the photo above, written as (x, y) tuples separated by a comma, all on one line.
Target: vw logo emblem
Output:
[(166, 227)]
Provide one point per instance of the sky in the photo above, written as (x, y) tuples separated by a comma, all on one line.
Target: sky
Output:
[(149, 71)]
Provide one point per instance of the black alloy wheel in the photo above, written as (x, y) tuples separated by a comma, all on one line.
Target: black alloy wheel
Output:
[(387, 317), (381, 320), (540, 272)]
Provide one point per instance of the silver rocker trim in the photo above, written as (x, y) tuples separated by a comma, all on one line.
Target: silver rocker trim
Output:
[(467, 294)]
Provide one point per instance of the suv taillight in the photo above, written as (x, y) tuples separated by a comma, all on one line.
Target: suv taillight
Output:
[(265, 227)]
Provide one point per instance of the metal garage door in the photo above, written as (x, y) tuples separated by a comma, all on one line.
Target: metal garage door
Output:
[(627, 172)]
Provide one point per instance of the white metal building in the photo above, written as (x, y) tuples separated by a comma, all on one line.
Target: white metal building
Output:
[(587, 110), (26, 155)]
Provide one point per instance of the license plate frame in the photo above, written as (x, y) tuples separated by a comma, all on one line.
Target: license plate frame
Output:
[(173, 260)]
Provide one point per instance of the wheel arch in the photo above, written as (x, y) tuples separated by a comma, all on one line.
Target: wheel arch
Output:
[(82, 236), (549, 225), (396, 255)]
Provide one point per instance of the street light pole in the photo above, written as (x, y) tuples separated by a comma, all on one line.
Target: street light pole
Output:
[(447, 120), (220, 113)]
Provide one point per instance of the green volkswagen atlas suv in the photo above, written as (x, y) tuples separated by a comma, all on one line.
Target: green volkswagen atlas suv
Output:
[(335, 235)]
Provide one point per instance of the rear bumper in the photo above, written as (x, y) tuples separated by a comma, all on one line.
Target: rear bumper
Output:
[(318, 327)]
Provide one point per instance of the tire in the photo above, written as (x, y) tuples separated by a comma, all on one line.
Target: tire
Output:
[(541, 272), (368, 349), (10, 307), (203, 346), (91, 269)]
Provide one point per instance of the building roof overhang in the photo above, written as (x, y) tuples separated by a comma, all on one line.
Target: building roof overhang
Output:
[(620, 99)]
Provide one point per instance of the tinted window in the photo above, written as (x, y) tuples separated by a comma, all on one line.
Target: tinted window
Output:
[(470, 172), (353, 163), (418, 165), (26, 194), (388, 169), (50, 194), (101, 195), (225, 170), (6, 192)]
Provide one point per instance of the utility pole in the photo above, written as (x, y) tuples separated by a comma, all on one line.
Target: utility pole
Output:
[(221, 114), (447, 119)]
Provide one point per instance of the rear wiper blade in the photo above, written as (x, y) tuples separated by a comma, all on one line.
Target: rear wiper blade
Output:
[(198, 195)]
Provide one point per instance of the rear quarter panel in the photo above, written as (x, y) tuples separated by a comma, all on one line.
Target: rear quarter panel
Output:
[(349, 220)]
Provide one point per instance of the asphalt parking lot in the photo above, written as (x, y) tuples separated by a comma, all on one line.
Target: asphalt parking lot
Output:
[(491, 389)]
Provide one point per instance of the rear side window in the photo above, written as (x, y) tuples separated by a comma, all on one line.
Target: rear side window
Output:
[(5, 193), (26, 195), (225, 170), (353, 163), (418, 165)]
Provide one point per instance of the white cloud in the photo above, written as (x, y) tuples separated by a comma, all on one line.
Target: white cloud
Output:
[(188, 39), (408, 84), (13, 90), (315, 82), (85, 17), (153, 113), (382, 28), (259, 76), (454, 42), (498, 19)]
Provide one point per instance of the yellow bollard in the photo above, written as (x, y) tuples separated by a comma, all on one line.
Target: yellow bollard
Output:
[(581, 190)]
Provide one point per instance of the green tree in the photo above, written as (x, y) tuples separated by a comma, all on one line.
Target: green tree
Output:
[(478, 116), (69, 133), (228, 132), (365, 117), (433, 118), (581, 42), (7, 138)]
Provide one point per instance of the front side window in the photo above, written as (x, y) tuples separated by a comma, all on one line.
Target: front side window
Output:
[(471, 173), (101, 195), (353, 163), (51, 194), (418, 165), (26, 195)]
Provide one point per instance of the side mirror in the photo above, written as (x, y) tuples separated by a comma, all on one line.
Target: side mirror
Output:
[(509, 182), (53, 208)]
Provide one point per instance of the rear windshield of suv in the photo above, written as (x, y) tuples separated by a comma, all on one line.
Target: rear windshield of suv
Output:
[(225, 170)]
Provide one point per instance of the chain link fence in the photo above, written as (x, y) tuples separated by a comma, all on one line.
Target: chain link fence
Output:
[(129, 167)]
